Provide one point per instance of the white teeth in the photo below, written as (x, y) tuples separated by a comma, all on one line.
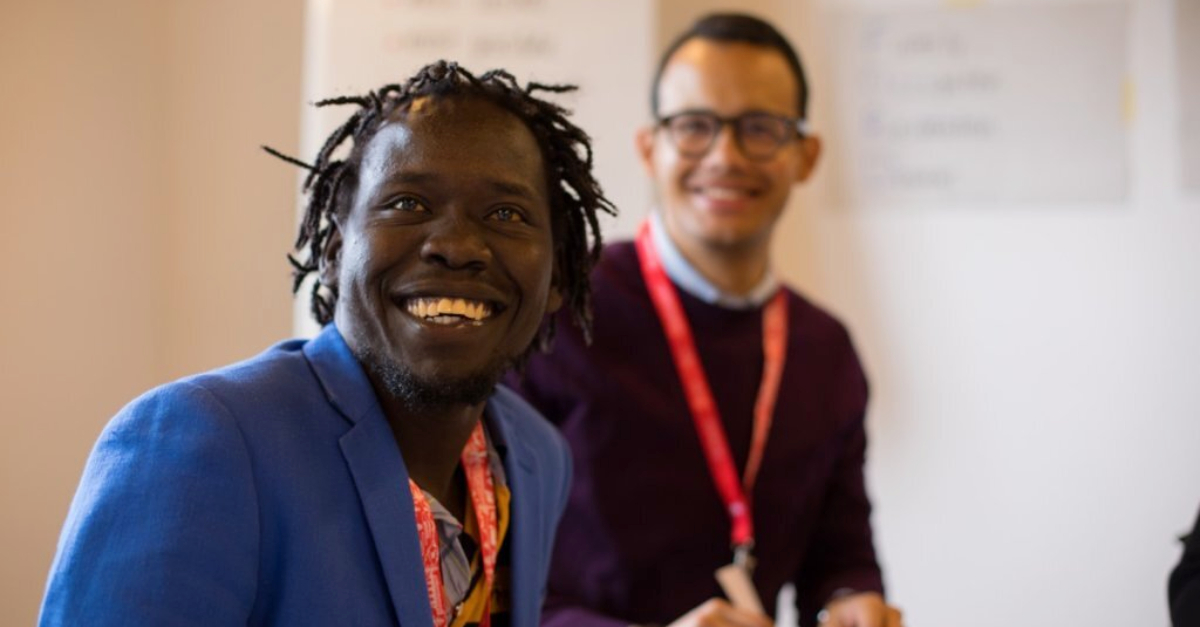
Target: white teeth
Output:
[(725, 193), (448, 310)]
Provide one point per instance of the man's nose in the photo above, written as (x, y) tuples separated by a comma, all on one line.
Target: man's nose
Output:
[(726, 149), (457, 242)]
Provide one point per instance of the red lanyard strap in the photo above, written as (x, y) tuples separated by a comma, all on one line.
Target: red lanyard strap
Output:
[(480, 484), (699, 395)]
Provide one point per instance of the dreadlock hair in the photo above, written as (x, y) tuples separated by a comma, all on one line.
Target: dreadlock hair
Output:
[(575, 196)]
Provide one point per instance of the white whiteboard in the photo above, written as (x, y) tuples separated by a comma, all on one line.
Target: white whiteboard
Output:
[(974, 102), (1187, 38), (603, 47)]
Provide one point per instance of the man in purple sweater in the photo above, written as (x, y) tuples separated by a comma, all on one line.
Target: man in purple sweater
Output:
[(714, 408)]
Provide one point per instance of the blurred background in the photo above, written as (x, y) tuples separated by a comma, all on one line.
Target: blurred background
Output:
[(1007, 217)]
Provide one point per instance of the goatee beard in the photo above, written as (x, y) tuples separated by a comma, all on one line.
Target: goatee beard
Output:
[(420, 394)]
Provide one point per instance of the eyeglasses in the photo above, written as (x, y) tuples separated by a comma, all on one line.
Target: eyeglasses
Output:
[(759, 135)]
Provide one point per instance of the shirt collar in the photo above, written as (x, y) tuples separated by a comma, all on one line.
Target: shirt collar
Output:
[(441, 515), (688, 279)]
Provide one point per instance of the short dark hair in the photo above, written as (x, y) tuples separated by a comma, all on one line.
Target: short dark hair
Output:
[(575, 196), (736, 28)]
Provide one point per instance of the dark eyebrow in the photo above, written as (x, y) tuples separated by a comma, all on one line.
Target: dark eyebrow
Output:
[(714, 113)]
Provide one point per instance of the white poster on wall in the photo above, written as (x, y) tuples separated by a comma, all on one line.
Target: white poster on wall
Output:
[(1187, 38), (973, 102), (605, 48)]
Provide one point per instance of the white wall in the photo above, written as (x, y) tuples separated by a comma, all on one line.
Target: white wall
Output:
[(1034, 418)]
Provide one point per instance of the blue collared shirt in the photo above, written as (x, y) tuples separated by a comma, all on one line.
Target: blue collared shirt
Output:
[(688, 279)]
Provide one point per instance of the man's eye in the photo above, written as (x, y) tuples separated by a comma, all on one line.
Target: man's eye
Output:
[(406, 203), (508, 214), (763, 128), (693, 126)]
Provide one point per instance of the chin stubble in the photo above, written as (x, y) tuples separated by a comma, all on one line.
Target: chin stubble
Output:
[(421, 394)]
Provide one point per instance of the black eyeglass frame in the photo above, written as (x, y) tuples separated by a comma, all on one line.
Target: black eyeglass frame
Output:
[(798, 125)]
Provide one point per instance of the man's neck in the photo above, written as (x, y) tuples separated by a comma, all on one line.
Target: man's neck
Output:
[(733, 269), (431, 442)]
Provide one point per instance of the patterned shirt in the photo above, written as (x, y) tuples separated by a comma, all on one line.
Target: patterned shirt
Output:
[(462, 566)]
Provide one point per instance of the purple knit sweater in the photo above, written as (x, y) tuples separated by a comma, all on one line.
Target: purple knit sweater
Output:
[(644, 528)]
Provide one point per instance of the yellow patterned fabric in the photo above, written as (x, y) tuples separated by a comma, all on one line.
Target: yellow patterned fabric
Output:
[(469, 613)]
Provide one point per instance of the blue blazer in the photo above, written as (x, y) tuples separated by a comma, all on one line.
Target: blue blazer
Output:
[(272, 492)]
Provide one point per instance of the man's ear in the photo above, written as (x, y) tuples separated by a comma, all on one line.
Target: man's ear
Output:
[(810, 151), (331, 256), (644, 141)]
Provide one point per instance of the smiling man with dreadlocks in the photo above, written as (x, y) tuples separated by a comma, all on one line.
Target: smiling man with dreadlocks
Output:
[(376, 474)]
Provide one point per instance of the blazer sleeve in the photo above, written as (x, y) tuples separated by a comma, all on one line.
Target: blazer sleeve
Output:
[(163, 529)]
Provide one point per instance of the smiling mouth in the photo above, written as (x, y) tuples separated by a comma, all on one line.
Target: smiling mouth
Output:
[(449, 311), (723, 193)]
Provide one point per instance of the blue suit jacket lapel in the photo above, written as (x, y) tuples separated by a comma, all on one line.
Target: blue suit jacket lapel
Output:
[(526, 523), (379, 475)]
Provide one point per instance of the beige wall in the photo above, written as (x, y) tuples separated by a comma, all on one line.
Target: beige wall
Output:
[(143, 230), (233, 83)]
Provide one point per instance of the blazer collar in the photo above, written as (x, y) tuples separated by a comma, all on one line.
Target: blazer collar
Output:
[(379, 474), (502, 418), (529, 504), (381, 479), (341, 375)]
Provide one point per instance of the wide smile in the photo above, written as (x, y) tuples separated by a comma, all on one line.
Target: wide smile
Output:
[(450, 311), (720, 196), (724, 193)]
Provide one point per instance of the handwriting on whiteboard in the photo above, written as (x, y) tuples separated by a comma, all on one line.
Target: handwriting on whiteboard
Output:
[(1013, 103)]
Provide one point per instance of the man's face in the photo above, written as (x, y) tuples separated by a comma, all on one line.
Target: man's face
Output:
[(443, 262), (722, 199)]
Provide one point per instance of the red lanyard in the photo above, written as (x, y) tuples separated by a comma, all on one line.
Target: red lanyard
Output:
[(699, 394), (478, 470)]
